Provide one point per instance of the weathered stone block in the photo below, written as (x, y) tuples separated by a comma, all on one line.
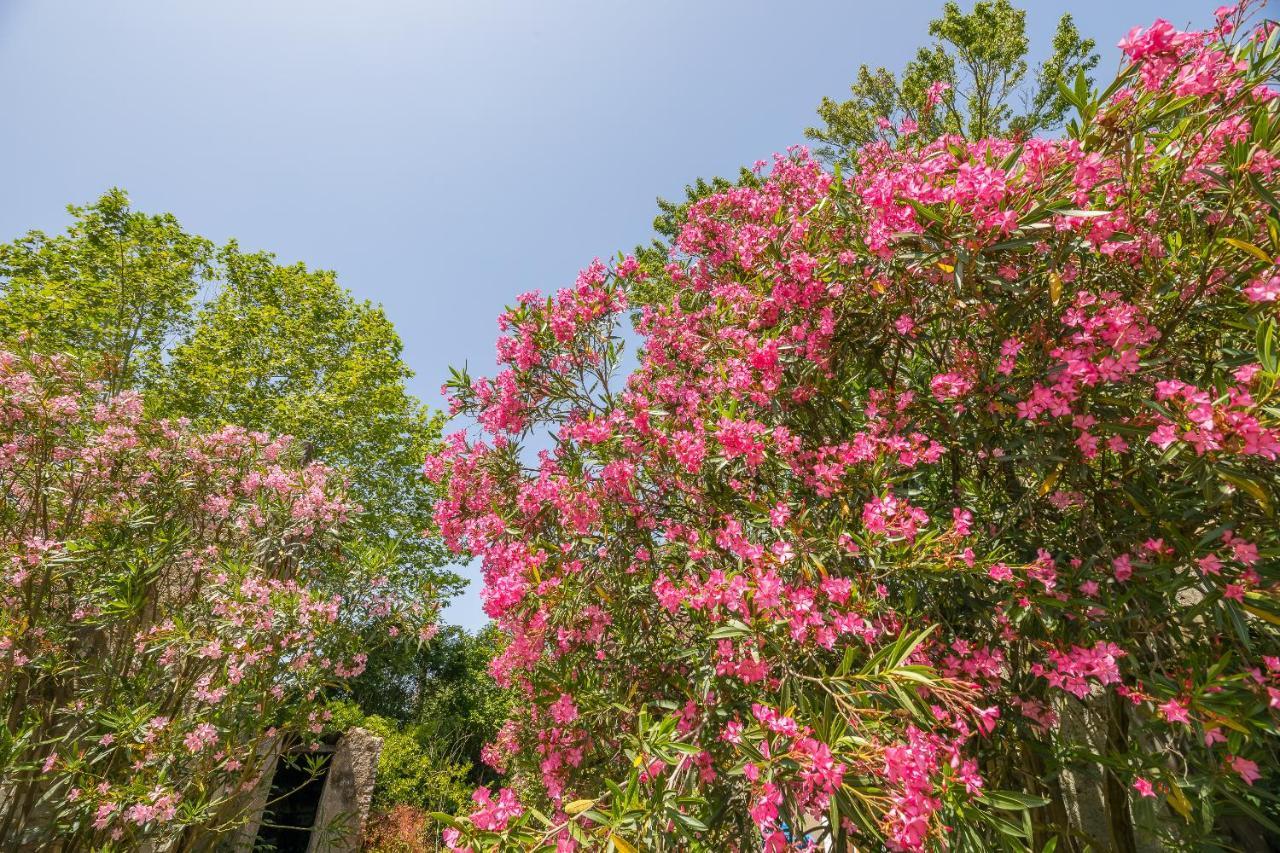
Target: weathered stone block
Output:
[(348, 793)]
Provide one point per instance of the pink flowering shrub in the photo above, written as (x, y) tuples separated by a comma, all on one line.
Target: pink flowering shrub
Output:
[(938, 510), (172, 606)]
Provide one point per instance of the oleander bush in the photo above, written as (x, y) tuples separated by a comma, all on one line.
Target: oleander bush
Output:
[(937, 510), (176, 605)]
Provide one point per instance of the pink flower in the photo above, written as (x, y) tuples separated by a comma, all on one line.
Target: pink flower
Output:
[(1159, 38), (1210, 564), (1263, 290), (1144, 787), (1248, 770), (1245, 373), (986, 718), (1073, 669), (764, 809), (494, 815), (1245, 552), (201, 737), (933, 95), (1174, 712), (950, 386), (1163, 436), (103, 817), (563, 710)]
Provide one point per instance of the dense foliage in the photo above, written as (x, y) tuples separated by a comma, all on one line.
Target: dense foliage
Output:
[(938, 511), (227, 337), (288, 350), (221, 337), (175, 605), (436, 707)]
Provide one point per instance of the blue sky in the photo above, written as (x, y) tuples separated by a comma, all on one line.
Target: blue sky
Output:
[(440, 156)]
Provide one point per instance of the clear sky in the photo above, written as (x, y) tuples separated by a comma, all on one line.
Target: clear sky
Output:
[(440, 155)]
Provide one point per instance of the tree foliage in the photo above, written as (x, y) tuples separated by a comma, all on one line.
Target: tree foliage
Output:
[(288, 350), (980, 57), (117, 287), (975, 80), (271, 347), (212, 337), (436, 707)]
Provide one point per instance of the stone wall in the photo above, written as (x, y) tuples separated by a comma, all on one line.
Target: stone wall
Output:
[(344, 800)]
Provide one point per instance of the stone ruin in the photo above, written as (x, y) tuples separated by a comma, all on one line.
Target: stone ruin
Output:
[(314, 801)]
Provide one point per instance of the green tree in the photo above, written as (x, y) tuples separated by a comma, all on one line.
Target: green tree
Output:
[(445, 678), (277, 348), (982, 57), (116, 288), (436, 706), (286, 349)]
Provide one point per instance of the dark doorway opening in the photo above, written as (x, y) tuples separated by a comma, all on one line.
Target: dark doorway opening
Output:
[(293, 802)]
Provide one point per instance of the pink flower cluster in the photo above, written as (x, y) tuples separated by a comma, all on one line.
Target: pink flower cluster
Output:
[(912, 454)]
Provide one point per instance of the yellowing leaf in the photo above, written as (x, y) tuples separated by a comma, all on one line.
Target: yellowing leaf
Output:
[(1262, 614), (622, 845), (578, 806), (1178, 800), (1055, 288), (1051, 480), (1251, 487), (1228, 722), (946, 267), (1248, 247)]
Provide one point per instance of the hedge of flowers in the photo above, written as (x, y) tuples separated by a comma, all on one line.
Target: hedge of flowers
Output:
[(172, 606), (938, 509)]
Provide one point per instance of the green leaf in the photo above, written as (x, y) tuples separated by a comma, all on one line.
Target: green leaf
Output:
[(1254, 488), (1263, 192), (447, 820), (1012, 800), (1267, 356), (733, 628)]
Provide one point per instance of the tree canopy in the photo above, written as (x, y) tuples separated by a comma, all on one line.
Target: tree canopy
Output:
[(287, 349), (973, 80), (221, 336), (117, 287)]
